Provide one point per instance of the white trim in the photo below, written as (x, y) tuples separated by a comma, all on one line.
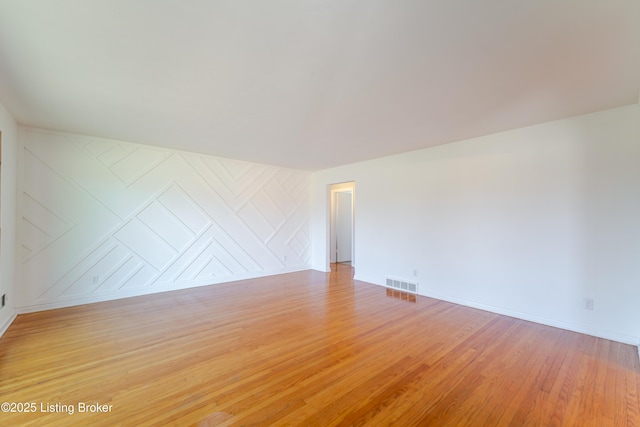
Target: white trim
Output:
[(32, 308), (596, 332), (331, 189), (7, 323)]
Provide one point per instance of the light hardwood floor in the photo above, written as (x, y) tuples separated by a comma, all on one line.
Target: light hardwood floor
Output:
[(312, 349)]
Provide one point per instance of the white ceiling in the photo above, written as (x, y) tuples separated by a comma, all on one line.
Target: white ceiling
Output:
[(311, 84)]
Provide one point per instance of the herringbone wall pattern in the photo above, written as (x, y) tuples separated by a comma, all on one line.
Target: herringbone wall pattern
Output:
[(103, 219)]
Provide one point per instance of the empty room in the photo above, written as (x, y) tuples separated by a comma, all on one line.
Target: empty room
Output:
[(319, 213)]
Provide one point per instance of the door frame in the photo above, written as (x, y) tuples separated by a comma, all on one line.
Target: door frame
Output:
[(342, 187)]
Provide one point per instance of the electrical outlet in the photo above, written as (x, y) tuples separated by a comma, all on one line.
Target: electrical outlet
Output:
[(588, 303), (284, 258), (415, 273), (95, 279)]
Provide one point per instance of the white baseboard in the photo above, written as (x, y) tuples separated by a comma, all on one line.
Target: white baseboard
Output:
[(583, 329), (70, 302), (5, 325)]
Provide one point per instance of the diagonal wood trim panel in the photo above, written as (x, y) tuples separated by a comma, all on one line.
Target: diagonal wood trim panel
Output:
[(105, 219)]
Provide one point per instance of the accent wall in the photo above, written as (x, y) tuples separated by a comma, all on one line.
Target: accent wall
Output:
[(104, 219)]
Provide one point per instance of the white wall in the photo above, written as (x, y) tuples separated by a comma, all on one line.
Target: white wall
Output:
[(527, 222), (105, 219), (8, 215)]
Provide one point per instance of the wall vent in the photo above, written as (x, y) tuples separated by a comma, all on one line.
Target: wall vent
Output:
[(402, 285)]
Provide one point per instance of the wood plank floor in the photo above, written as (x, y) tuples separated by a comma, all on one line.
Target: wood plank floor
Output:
[(309, 348)]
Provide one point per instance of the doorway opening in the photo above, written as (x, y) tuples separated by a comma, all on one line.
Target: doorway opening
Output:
[(342, 229)]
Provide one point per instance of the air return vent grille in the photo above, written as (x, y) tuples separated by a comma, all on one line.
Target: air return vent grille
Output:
[(402, 285)]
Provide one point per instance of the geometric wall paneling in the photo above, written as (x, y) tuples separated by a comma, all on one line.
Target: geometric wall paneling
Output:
[(145, 243), (105, 219), (233, 181), (41, 226), (257, 222), (184, 208), (137, 164), (166, 225), (294, 244), (45, 189), (238, 179), (300, 244), (268, 210)]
